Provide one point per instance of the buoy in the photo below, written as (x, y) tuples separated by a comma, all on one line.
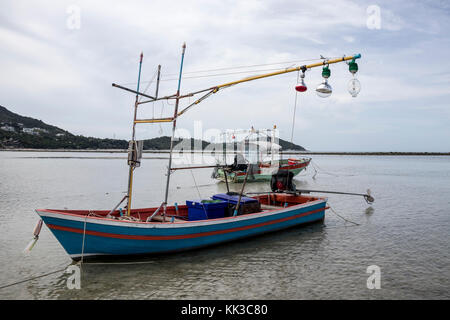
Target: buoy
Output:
[(38, 228), (36, 232)]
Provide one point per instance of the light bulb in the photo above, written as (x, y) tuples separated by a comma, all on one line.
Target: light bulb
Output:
[(324, 90), (301, 87), (354, 87)]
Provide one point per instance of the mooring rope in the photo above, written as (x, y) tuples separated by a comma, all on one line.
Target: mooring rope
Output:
[(65, 268), (33, 278), (315, 167), (84, 236), (343, 218), (60, 270)]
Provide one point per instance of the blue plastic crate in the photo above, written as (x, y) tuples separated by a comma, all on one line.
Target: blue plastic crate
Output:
[(205, 209), (247, 205)]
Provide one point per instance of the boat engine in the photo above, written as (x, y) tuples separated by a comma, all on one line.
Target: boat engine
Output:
[(282, 181)]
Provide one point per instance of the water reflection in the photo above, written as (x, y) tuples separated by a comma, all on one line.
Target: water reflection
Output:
[(215, 270)]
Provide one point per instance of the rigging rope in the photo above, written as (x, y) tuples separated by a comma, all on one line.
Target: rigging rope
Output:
[(148, 86), (223, 74), (160, 125), (199, 195), (195, 183), (295, 108), (249, 66), (231, 68)]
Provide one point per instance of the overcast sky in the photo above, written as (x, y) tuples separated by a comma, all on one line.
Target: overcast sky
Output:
[(59, 58)]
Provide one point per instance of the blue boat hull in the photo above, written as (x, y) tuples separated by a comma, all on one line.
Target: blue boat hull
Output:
[(89, 236)]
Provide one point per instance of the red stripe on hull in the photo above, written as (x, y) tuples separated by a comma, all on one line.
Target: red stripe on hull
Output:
[(177, 237), (292, 167)]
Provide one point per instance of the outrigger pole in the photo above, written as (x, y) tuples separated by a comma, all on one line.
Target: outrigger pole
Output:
[(367, 196)]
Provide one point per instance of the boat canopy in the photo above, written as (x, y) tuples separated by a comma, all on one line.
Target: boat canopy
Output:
[(265, 145)]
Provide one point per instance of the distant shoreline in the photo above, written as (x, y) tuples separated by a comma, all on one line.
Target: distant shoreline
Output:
[(337, 153)]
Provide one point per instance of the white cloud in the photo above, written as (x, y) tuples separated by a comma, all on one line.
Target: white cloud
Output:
[(50, 65)]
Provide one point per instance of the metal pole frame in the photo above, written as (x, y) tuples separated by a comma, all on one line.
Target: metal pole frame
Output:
[(211, 91), (131, 170), (166, 196)]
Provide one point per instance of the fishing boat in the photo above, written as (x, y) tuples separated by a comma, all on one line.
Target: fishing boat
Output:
[(84, 233), (262, 171), (198, 223), (258, 153)]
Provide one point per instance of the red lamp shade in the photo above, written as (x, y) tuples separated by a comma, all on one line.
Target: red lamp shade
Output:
[(301, 88)]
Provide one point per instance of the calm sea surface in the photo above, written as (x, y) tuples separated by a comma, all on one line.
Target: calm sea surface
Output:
[(405, 232)]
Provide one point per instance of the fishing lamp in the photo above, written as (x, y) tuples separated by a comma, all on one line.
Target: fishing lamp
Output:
[(301, 87), (354, 86), (324, 90)]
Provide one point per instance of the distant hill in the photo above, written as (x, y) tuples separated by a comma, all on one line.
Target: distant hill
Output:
[(17, 131), (286, 145)]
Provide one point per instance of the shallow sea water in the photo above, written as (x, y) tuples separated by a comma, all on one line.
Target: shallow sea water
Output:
[(405, 232)]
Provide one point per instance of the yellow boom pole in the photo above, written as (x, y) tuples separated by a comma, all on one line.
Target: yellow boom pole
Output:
[(228, 84), (266, 75), (313, 65)]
